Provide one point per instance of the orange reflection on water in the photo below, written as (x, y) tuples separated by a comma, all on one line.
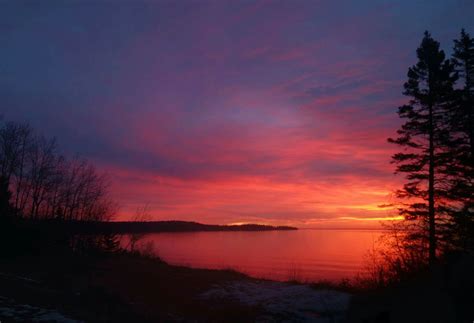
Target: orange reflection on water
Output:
[(303, 255)]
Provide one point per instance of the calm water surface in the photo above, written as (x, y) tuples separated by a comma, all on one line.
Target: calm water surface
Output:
[(303, 255)]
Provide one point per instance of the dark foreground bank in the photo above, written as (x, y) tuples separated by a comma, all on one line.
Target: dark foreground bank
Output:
[(116, 288), (132, 288)]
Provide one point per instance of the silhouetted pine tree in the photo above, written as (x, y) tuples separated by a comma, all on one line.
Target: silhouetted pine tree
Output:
[(423, 138), (462, 145), (463, 58)]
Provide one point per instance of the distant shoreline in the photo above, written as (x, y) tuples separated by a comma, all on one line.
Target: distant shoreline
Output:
[(128, 227), (185, 226)]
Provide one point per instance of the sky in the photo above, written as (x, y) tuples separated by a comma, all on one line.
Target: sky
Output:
[(272, 112)]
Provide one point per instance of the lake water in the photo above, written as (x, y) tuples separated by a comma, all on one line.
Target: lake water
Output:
[(305, 255)]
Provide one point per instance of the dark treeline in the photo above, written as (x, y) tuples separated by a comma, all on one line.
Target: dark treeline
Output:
[(128, 227), (436, 156), (39, 187), (37, 182)]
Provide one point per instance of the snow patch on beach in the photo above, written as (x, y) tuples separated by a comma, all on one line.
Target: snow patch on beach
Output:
[(285, 302), (16, 277), (10, 310)]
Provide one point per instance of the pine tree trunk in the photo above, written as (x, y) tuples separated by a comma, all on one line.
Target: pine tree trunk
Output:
[(471, 128), (431, 206)]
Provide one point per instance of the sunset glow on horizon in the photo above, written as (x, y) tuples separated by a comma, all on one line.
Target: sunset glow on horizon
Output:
[(225, 112)]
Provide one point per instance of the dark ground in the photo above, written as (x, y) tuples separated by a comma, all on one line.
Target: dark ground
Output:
[(119, 288), (133, 288)]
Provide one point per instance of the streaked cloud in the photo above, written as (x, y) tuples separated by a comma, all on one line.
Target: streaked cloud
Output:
[(224, 111)]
